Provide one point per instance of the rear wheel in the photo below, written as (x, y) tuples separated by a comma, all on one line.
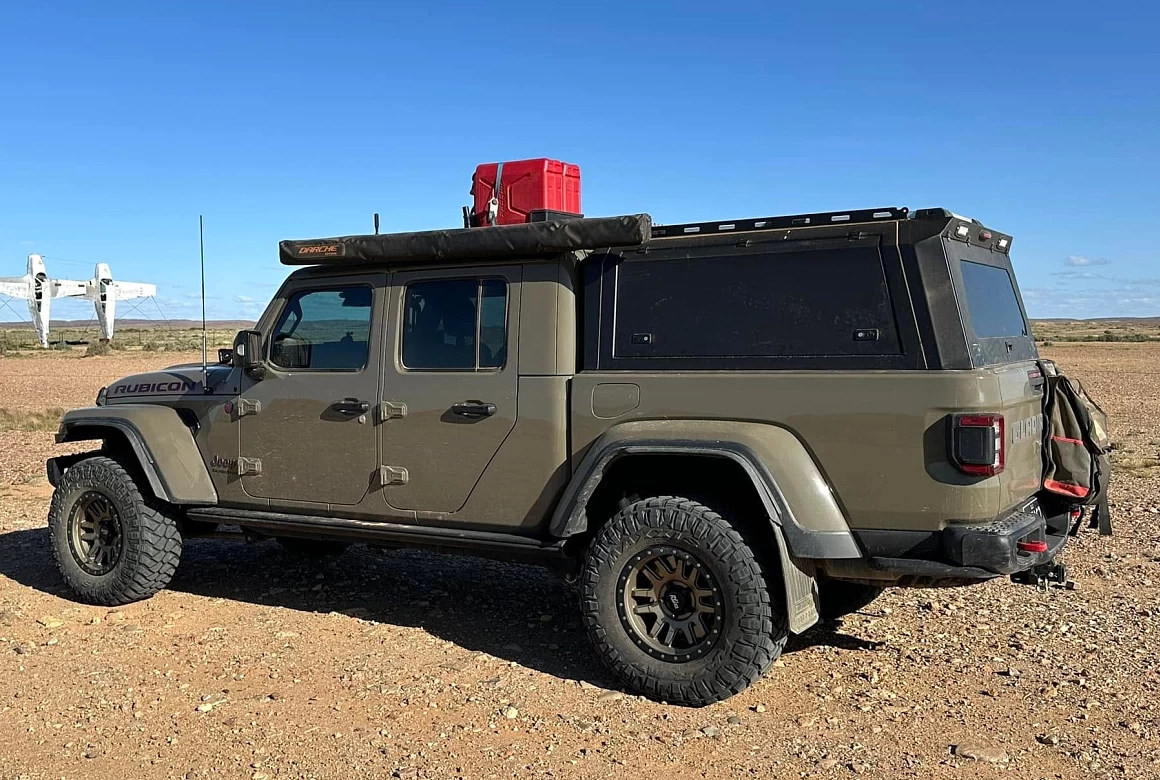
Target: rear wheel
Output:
[(676, 603), (112, 546)]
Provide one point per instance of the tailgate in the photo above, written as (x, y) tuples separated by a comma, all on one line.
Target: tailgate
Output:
[(1021, 386)]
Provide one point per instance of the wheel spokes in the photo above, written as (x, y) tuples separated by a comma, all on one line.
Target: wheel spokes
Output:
[(95, 536)]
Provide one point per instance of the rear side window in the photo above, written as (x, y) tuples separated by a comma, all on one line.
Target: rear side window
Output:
[(757, 306), (991, 301), (455, 325)]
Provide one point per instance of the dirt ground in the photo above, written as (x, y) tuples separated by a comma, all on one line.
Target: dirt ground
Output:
[(256, 664)]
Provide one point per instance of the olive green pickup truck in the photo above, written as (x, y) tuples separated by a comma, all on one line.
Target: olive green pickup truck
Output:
[(721, 432)]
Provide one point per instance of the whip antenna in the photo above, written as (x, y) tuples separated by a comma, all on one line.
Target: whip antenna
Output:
[(204, 336)]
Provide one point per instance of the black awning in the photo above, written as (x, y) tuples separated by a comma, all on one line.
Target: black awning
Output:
[(536, 238)]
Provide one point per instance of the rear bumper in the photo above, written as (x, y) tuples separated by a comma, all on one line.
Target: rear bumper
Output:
[(959, 552), (995, 546)]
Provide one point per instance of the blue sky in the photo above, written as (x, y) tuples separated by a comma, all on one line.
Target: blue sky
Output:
[(121, 122)]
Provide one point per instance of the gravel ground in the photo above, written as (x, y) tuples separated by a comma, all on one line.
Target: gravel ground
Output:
[(256, 664)]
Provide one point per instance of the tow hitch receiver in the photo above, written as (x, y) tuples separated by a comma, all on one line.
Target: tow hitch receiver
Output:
[(1044, 575)]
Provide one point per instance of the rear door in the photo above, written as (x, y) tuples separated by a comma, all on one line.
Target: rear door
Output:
[(1001, 342), (449, 386)]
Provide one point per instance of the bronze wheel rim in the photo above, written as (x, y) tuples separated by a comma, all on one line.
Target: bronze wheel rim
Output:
[(670, 604), (95, 536)]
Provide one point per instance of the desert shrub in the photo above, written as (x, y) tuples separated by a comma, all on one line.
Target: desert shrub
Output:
[(17, 420), (97, 349)]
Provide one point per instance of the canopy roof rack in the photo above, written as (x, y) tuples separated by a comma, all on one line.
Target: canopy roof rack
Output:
[(780, 223)]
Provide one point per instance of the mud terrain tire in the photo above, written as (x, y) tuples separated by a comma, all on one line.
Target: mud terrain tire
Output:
[(675, 561), (134, 544)]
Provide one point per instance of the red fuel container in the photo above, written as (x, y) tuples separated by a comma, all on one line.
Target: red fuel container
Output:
[(526, 186)]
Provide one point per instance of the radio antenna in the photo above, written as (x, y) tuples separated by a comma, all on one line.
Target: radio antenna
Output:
[(204, 336)]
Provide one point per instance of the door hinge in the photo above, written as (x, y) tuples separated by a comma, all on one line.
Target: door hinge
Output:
[(392, 475), (390, 409), (248, 466), (246, 406)]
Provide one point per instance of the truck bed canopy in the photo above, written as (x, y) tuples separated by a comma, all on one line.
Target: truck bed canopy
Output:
[(531, 239)]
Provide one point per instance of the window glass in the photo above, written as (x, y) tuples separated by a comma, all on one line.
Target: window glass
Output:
[(324, 330), (493, 324), (455, 324), (785, 304), (991, 301)]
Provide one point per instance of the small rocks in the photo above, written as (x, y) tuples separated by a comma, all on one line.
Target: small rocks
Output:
[(49, 621), (510, 712), (711, 732), (733, 720), (209, 703), (977, 752), (1047, 739), (758, 708), (610, 696)]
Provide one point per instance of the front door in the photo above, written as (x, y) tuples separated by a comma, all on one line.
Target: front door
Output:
[(450, 380), (308, 429)]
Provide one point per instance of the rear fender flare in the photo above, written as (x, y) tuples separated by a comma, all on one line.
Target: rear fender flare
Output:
[(805, 514)]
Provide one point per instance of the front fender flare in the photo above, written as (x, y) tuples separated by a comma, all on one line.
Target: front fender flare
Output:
[(162, 445), (797, 499)]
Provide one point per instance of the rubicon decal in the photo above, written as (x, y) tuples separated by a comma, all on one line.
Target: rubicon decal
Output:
[(171, 387)]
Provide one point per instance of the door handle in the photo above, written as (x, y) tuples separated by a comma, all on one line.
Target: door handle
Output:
[(351, 406), (473, 409)]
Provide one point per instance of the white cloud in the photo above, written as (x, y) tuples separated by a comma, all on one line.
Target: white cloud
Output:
[(245, 299), (1079, 275), (1075, 261)]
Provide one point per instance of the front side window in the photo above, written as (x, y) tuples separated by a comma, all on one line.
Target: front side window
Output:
[(455, 324), (991, 301), (324, 330)]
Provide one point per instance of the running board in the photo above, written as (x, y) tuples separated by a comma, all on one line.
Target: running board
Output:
[(487, 543)]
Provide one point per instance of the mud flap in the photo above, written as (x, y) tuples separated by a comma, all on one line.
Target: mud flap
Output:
[(801, 587)]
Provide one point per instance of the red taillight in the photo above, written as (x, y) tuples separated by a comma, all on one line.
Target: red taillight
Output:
[(977, 444), (1038, 546)]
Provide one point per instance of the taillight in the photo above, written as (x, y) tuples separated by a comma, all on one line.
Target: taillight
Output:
[(977, 446)]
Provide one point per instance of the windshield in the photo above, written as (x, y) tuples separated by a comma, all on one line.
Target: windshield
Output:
[(991, 301)]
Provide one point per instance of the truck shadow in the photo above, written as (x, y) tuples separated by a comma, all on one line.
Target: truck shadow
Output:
[(515, 612)]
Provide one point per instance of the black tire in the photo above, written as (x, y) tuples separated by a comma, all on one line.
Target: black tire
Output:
[(838, 599), (749, 630), (312, 548), (149, 543)]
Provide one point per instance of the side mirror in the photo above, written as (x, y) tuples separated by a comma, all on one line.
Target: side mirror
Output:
[(248, 354)]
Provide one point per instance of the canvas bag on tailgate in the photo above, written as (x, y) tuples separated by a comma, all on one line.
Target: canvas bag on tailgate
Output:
[(1077, 466)]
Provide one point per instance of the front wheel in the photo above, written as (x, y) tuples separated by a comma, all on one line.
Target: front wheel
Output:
[(677, 605), (112, 547)]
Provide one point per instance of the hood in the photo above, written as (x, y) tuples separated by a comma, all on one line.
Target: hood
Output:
[(168, 383)]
